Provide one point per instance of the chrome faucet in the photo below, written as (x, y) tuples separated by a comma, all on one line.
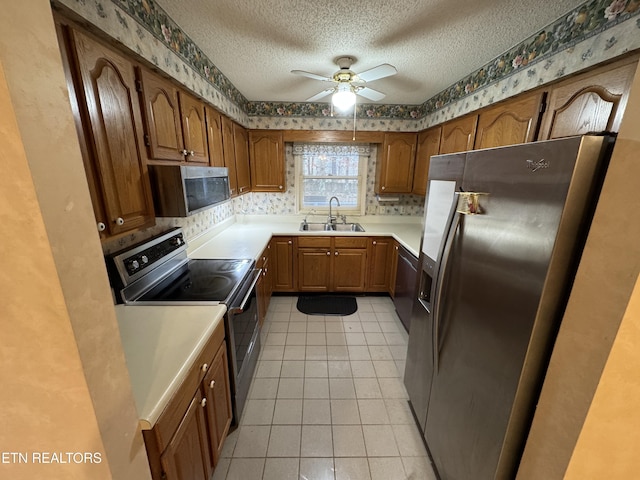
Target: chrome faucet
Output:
[(332, 219)]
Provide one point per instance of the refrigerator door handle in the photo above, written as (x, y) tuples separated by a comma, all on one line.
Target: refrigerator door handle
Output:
[(439, 293)]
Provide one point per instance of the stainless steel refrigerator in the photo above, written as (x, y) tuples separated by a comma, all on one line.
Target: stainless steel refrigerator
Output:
[(503, 231)]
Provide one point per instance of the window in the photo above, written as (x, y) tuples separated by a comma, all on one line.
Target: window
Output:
[(327, 170)]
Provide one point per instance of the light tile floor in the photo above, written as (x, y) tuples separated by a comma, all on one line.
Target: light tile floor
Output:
[(327, 401)]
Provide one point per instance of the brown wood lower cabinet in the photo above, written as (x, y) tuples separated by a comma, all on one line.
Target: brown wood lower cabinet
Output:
[(380, 254), (340, 264), (187, 439), (282, 264)]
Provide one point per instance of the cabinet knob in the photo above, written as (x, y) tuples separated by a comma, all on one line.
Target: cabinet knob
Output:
[(374, 242), (204, 367), (384, 188), (192, 153), (101, 227), (185, 152), (119, 221), (203, 402), (396, 247), (280, 187), (212, 384), (289, 242), (336, 253), (328, 253)]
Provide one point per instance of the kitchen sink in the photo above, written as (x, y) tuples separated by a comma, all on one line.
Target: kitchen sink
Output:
[(327, 227)]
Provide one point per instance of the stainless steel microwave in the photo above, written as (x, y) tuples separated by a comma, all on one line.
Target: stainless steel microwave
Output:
[(182, 190)]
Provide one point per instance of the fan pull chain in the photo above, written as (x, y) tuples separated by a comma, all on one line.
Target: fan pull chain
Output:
[(355, 105)]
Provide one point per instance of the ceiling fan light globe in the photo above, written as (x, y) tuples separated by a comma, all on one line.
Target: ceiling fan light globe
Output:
[(343, 99)]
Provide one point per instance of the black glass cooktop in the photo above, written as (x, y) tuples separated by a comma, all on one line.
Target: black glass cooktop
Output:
[(201, 280)]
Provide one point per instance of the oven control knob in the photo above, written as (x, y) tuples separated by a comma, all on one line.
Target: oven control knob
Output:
[(144, 259), (135, 264), (177, 241)]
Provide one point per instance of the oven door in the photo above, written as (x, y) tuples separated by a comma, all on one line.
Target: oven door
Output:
[(244, 340)]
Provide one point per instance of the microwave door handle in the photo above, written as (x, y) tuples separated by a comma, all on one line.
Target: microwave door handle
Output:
[(240, 309), (439, 294)]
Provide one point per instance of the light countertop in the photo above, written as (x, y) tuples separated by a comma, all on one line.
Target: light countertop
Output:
[(161, 343), (249, 235)]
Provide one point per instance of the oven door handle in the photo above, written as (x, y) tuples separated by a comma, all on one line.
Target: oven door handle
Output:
[(240, 309)]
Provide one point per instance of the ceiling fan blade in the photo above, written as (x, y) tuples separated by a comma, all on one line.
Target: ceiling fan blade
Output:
[(371, 94), (320, 95), (381, 71), (310, 75)]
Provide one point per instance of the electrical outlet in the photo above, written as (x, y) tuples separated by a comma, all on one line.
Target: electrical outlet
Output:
[(382, 210), (402, 209)]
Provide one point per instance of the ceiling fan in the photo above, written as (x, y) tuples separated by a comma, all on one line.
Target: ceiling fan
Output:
[(348, 84)]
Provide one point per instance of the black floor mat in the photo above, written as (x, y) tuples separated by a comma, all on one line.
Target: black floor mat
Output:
[(327, 305)]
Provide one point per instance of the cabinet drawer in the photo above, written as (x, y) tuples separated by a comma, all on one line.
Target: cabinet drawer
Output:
[(174, 411), (314, 242), (351, 242)]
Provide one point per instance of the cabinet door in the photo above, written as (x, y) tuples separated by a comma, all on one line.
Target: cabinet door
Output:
[(428, 145), (241, 145), (349, 270), (314, 269), (194, 129), (282, 264), (266, 157), (187, 456), (163, 133), (590, 102), (229, 154), (379, 264), (511, 122), (395, 170), (217, 391), (458, 135), (114, 134), (214, 137)]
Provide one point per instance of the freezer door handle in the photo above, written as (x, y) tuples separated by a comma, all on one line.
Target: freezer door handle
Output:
[(439, 293)]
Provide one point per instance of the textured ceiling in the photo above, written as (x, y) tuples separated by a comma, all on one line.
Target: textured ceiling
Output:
[(432, 43)]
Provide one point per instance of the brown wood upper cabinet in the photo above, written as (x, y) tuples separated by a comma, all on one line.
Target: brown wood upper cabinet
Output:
[(214, 136), (111, 134), (241, 147), (590, 102), (175, 126), (266, 157), (428, 145), (458, 135), (511, 122), (229, 153), (394, 173)]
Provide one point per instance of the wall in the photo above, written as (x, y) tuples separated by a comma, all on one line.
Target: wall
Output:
[(68, 324), (608, 444), (600, 296)]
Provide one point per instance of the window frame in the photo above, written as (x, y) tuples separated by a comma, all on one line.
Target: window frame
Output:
[(363, 160)]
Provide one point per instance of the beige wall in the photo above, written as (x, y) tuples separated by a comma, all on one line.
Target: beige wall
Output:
[(44, 398), (609, 442), (599, 299), (29, 54)]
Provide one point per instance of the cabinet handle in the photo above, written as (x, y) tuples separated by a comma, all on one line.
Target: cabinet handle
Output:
[(119, 221), (101, 227), (212, 384), (203, 402), (204, 367), (374, 242)]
